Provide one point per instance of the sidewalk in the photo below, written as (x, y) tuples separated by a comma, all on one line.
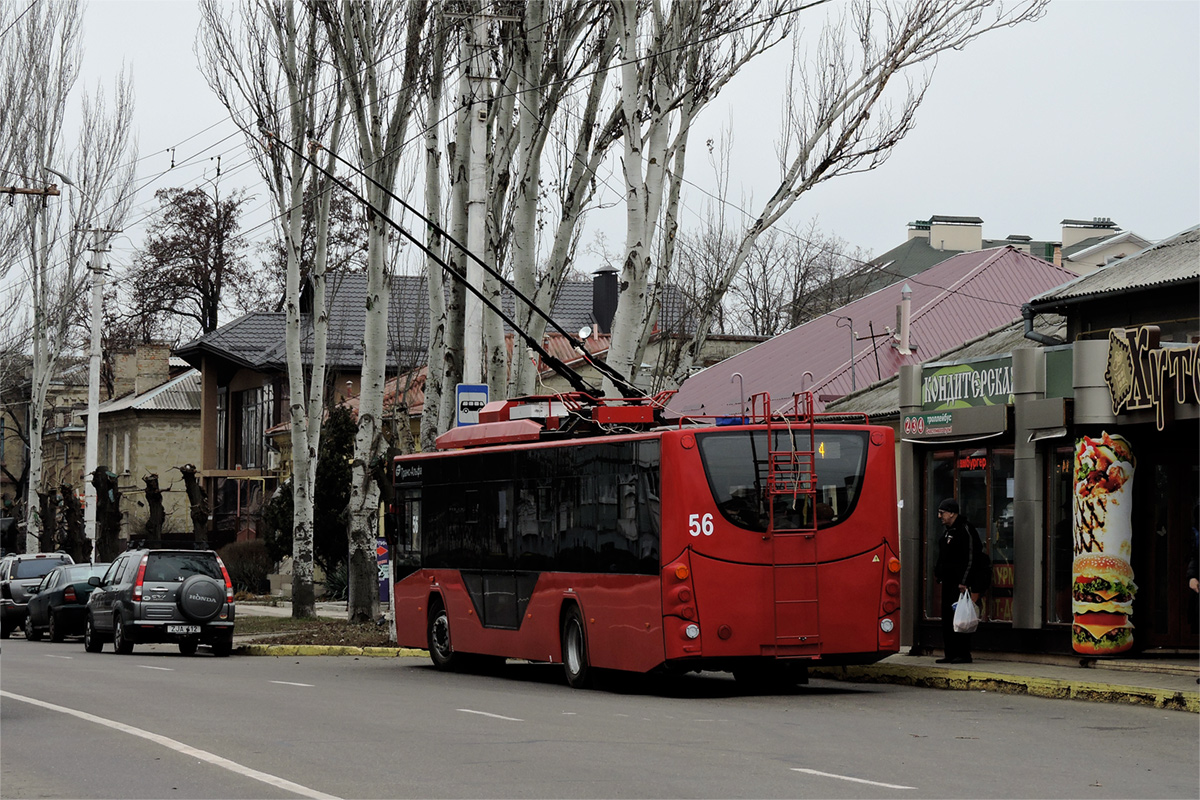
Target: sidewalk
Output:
[(1162, 683)]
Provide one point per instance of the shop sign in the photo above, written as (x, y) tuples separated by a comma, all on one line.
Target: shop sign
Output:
[(939, 424), (1141, 374), (972, 383)]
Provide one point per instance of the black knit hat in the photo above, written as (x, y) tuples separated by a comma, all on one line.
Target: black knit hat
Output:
[(949, 504)]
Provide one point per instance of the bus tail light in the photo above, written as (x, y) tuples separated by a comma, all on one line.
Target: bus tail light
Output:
[(893, 565), (682, 572), (692, 631)]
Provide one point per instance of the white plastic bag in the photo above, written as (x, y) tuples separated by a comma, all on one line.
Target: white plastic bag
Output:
[(966, 617)]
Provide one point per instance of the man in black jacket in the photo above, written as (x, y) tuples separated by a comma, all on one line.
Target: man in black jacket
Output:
[(958, 551)]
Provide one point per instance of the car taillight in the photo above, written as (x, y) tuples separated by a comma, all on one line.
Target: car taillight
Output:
[(69, 595), (228, 583), (141, 576)]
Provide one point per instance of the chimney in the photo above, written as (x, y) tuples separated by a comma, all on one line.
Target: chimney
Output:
[(903, 316), (604, 298), (153, 366), (124, 372), (1075, 231)]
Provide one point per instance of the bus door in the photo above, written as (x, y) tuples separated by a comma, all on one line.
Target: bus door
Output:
[(791, 492)]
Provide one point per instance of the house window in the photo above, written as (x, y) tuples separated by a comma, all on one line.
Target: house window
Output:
[(256, 416), (222, 428)]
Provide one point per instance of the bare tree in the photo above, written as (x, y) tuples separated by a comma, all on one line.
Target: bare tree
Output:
[(55, 236), (379, 48), (676, 58), (272, 71), (837, 116), (192, 263)]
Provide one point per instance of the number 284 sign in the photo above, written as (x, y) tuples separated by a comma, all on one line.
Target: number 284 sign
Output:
[(700, 524)]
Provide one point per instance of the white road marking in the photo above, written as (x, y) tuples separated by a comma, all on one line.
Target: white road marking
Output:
[(180, 747), (486, 714), (162, 669), (848, 778), (68, 658), (289, 683)]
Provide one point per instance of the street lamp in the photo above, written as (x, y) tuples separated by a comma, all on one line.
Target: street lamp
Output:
[(92, 441)]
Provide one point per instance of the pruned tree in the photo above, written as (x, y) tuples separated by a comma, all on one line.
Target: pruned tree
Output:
[(379, 48), (839, 118), (271, 68), (42, 47), (193, 261)]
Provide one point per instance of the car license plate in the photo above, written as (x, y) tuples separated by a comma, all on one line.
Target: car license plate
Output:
[(183, 629)]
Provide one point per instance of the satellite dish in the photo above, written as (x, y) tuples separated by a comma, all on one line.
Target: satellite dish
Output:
[(585, 332)]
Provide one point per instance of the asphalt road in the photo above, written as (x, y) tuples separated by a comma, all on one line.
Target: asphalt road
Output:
[(158, 725)]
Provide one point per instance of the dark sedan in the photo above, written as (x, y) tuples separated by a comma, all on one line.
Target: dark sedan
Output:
[(60, 604)]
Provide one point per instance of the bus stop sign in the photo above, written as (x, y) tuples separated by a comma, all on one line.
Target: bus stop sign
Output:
[(469, 400)]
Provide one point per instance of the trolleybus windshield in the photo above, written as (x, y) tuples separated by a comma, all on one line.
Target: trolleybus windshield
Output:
[(735, 463)]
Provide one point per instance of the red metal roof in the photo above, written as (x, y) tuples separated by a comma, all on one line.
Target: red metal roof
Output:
[(952, 302)]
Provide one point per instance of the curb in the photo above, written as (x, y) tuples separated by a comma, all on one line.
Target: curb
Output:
[(973, 680), (325, 650)]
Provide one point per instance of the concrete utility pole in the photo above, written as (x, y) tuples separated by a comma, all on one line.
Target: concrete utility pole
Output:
[(92, 445)]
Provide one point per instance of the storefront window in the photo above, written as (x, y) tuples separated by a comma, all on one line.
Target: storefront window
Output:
[(1000, 536), (939, 484), (982, 481), (1058, 523)]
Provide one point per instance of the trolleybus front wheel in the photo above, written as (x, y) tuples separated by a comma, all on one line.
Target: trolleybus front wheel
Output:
[(441, 652), (574, 649)]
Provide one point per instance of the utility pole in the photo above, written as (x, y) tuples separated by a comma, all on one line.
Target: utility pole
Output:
[(92, 443)]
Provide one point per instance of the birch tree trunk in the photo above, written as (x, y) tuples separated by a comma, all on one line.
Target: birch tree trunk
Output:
[(275, 55), (380, 48)]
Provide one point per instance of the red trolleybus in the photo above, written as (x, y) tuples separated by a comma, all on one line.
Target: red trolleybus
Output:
[(584, 532)]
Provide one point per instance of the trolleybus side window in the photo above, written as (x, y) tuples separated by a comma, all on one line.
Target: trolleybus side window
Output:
[(586, 508), (735, 463)]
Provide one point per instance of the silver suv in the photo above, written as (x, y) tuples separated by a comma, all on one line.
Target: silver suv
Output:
[(182, 596), (19, 576)]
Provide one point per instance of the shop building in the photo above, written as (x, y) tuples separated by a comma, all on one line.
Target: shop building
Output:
[(996, 424)]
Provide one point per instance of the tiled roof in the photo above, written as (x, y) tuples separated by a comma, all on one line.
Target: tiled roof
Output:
[(257, 340), (1175, 260), (952, 302), (181, 393)]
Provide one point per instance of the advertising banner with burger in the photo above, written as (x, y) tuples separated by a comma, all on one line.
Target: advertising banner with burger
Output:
[(1102, 586)]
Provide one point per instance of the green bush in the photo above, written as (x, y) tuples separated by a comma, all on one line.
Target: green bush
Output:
[(337, 583), (248, 564)]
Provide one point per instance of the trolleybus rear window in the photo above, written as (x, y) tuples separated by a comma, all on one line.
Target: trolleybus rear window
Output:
[(735, 463)]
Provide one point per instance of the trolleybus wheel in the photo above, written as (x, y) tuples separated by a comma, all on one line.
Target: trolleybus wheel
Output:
[(441, 651), (574, 649)]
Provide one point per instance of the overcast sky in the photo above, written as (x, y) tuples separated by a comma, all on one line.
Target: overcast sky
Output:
[(1093, 111)]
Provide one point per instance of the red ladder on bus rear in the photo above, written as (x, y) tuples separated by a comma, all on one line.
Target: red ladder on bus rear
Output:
[(792, 522)]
